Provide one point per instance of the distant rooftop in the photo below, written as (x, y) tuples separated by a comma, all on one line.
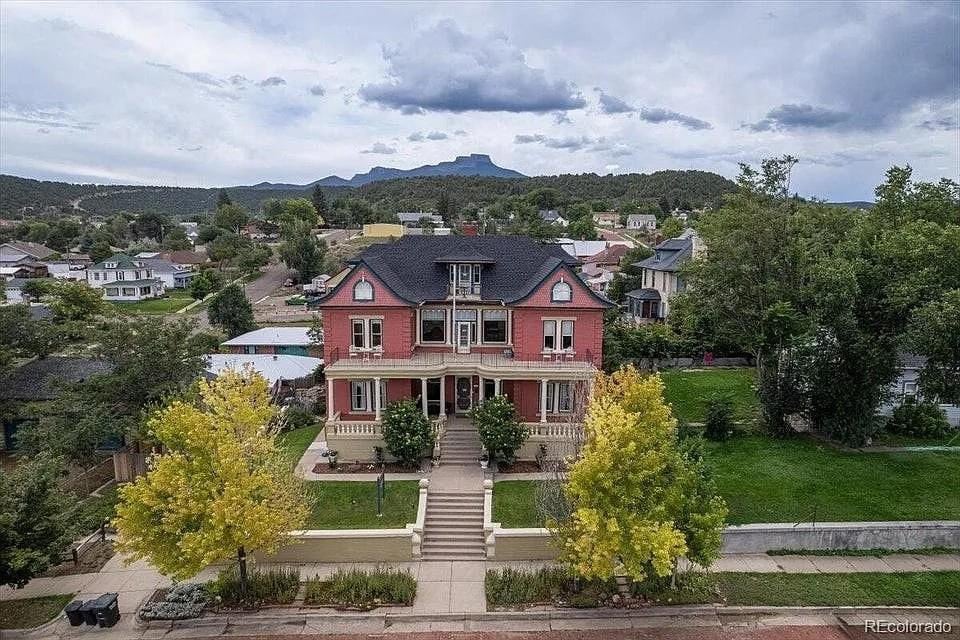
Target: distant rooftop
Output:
[(278, 336)]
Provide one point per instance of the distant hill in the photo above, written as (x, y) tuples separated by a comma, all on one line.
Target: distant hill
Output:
[(475, 164), (24, 197), (854, 204)]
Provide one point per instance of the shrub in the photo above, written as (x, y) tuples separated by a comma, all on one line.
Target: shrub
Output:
[(274, 586), (512, 587), (183, 601), (296, 416), (719, 420), (921, 419), (363, 589), (407, 432), (499, 427)]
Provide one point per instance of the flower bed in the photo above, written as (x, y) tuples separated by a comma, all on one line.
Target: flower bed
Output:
[(270, 587), (362, 590)]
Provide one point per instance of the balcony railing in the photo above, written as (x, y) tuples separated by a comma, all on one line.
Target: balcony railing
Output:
[(505, 359), (464, 290)]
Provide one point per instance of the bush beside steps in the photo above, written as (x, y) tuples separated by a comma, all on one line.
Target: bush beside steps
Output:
[(356, 589)]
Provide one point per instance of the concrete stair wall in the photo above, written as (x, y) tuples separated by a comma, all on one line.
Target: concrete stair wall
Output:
[(453, 529)]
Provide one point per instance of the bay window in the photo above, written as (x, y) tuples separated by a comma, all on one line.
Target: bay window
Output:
[(433, 325), (495, 326)]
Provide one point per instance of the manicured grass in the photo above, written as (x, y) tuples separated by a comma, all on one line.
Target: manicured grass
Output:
[(515, 504), (798, 480), (353, 505), (688, 390), (793, 480), (934, 588), (295, 442), (31, 612), (930, 588), (175, 300)]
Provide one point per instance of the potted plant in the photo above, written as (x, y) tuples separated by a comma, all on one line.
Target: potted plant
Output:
[(332, 458), (484, 460)]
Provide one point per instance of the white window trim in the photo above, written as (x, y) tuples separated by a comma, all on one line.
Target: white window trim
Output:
[(366, 387), (450, 328), (558, 328), (367, 335), (553, 291), (446, 327), (553, 396)]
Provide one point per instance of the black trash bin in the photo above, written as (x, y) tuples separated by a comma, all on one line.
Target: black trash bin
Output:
[(89, 612), (107, 610), (73, 613)]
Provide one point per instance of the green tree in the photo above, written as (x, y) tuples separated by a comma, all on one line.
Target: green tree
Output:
[(205, 283), (231, 311), (36, 520), (293, 216), (72, 300), (637, 501), (176, 240), (223, 198), (935, 333), (499, 428), (231, 217), (319, 202), (100, 251), (671, 228), (582, 229), (36, 288), (150, 225), (226, 247), (629, 277), (222, 487), (305, 254), (445, 207), (407, 432)]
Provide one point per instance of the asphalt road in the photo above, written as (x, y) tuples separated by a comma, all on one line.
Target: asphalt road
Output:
[(270, 279)]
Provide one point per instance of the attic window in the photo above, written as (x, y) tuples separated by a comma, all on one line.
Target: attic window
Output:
[(110, 265), (562, 292), (363, 290), (658, 256)]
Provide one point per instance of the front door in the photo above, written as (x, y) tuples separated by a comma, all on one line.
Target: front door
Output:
[(463, 337), (433, 396), (464, 394)]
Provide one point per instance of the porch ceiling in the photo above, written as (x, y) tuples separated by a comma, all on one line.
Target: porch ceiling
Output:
[(432, 365)]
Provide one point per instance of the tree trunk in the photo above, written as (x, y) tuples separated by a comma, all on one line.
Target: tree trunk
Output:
[(242, 560)]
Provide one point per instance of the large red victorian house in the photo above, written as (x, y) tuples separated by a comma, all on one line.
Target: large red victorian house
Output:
[(452, 320)]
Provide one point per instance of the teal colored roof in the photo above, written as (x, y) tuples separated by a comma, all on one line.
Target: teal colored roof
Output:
[(123, 262)]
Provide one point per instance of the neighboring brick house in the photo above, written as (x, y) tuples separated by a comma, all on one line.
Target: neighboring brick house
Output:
[(125, 279), (660, 278), (291, 341), (452, 320)]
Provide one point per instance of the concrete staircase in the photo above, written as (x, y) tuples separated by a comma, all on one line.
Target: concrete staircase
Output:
[(453, 529)]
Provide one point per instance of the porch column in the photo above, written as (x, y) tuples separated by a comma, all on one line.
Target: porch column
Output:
[(423, 395), (482, 390), (496, 386), (330, 399), (543, 400), (376, 399), (443, 394)]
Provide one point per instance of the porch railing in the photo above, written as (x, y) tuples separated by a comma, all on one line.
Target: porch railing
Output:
[(354, 428), (507, 358), (555, 430)]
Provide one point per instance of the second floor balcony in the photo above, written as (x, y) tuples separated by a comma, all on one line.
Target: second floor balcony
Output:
[(504, 364)]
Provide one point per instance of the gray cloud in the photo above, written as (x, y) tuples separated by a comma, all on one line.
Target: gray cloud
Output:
[(197, 76), (561, 117), (380, 148), (657, 115), (800, 116), (55, 117), (196, 148), (272, 81), (459, 132), (612, 104), (444, 69), (437, 135), (416, 136), (574, 143), (419, 136), (317, 90), (238, 80), (43, 131), (944, 123)]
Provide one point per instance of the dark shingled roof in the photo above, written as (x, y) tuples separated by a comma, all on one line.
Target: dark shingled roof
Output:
[(669, 255), (44, 378), (644, 294), (414, 268)]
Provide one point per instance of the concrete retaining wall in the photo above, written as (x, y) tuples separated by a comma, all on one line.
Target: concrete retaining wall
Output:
[(535, 544), (759, 538), (346, 545)]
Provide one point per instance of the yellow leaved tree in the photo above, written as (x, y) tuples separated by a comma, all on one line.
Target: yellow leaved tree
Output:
[(221, 487), (639, 500)]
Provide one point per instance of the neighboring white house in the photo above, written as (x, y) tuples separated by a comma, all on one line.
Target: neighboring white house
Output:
[(66, 271), (192, 231), (277, 369), (907, 387), (317, 285), (641, 222), (552, 216), (13, 290), (172, 275), (125, 279), (660, 278), (582, 249), (412, 218)]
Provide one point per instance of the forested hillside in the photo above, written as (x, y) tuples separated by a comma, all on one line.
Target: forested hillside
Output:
[(23, 197)]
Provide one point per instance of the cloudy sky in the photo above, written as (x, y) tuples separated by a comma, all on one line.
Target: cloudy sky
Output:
[(222, 94)]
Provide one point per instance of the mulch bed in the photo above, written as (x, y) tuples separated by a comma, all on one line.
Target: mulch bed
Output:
[(353, 467), (91, 561)]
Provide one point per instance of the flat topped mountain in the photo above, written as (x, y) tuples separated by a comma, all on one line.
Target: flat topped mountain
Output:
[(475, 164)]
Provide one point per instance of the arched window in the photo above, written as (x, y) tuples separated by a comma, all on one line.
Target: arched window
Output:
[(363, 290), (562, 292)]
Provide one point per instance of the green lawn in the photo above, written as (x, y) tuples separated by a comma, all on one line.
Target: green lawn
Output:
[(175, 300), (931, 589), (792, 480), (353, 505), (31, 612), (688, 391), (296, 441)]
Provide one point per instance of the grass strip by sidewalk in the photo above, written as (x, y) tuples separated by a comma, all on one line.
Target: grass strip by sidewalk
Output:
[(517, 588), (353, 505), (31, 612), (295, 442)]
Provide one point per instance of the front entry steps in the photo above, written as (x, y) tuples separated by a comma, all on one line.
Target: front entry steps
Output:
[(453, 529), (460, 446)]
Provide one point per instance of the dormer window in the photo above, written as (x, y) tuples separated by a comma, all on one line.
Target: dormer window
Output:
[(109, 265), (657, 256), (562, 292), (363, 290), (465, 279)]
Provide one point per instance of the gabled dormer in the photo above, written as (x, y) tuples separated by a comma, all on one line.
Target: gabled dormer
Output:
[(465, 273)]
